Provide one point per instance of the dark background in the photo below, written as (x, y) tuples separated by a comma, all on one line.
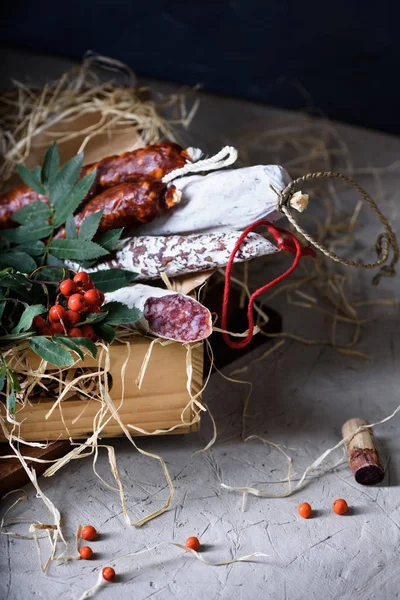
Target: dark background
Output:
[(341, 58)]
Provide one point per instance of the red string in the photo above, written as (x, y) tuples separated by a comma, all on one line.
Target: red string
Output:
[(285, 241)]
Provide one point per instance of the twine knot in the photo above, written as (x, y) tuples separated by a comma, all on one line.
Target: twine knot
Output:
[(385, 271), (288, 199)]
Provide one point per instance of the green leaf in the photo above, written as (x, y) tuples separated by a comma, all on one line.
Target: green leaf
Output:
[(106, 332), (28, 233), (17, 282), (18, 260), (11, 402), (27, 317), (87, 344), (48, 275), (14, 381), (29, 177), (109, 239), (33, 248), (14, 337), (2, 307), (111, 280), (37, 172), (35, 212), (65, 180), (78, 250), (73, 199), (68, 343), (120, 314), (75, 343), (86, 264), (51, 352), (50, 165), (89, 226), (4, 244), (91, 318), (70, 228), (2, 378), (20, 278), (54, 262)]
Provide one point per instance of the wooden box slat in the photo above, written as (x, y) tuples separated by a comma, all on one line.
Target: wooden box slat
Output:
[(157, 405)]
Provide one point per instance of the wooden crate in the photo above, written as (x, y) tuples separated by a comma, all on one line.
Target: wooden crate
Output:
[(157, 405)]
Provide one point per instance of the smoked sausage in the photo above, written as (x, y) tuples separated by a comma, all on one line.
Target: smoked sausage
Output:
[(152, 162), (128, 204)]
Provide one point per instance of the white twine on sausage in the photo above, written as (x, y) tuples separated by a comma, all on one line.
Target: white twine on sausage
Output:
[(225, 157)]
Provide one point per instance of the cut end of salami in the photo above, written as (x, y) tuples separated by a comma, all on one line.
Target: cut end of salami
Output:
[(178, 317), (172, 196)]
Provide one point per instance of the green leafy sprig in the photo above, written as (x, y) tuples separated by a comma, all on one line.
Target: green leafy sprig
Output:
[(32, 242), (32, 266), (23, 297)]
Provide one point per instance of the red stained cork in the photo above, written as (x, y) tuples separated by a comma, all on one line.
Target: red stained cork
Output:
[(363, 456)]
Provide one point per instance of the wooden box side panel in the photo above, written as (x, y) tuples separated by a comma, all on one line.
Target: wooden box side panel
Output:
[(159, 403)]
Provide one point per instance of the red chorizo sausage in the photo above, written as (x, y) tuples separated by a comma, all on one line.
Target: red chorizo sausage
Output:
[(12, 201), (152, 162), (128, 204)]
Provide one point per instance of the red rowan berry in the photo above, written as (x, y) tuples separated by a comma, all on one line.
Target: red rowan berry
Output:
[(193, 543), (88, 533), (68, 287), (108, 573)]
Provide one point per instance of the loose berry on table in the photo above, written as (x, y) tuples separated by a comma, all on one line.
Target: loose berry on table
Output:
[(88, 533), (304, 510), (108, 573), (340, 506), (86, 552), (193, 543)]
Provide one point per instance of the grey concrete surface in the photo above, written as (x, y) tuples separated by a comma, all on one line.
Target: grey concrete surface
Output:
[(301, 396)]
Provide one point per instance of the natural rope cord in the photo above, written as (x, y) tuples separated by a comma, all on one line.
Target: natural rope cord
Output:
[(224, 158), (383, 242)]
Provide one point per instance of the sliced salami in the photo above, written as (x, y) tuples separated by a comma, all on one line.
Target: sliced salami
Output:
[(224, 200), (167, 314), (178, 255)]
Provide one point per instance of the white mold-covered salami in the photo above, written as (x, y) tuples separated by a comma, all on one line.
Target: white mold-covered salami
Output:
[(148, 256), (167, 314), (224, 200)]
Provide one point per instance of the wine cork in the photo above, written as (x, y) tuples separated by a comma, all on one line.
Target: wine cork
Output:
[(362, 454)]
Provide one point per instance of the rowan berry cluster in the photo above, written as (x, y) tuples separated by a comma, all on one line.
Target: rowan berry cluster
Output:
[(77, 296)]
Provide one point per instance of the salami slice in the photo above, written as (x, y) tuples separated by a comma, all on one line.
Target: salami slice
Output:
[(167, 314), (178, 255), (224, 200)]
